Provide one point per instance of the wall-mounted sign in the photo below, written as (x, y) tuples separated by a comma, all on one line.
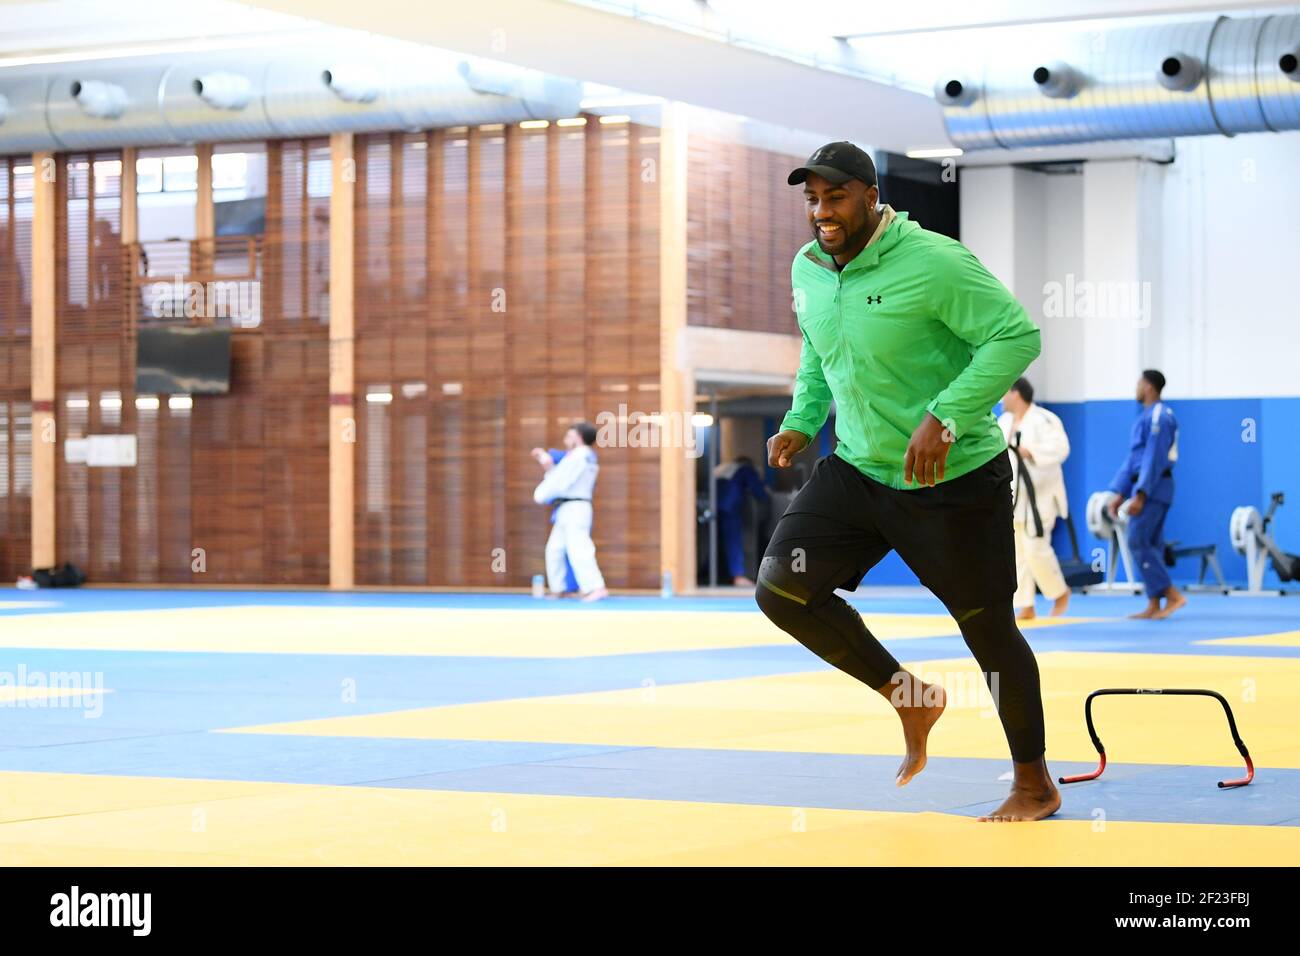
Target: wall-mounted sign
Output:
[(101, 451)]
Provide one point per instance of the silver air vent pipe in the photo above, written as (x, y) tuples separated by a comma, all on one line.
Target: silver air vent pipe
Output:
[(1223, 76)]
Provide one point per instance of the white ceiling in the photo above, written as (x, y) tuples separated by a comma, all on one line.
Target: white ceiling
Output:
[(570, 39), (773, 60), (58, 26), (847, 18)]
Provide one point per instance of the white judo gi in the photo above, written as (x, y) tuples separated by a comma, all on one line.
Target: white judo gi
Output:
[(1043, 435), (574, 479)]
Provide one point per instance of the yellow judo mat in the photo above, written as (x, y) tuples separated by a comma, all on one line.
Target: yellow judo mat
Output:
[(212, 729)]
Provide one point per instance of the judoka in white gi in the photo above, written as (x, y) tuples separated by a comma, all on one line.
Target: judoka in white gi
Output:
[(568, 486), (1043, 446)]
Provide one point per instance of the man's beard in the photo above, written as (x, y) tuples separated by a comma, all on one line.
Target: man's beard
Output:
[(851, 238)]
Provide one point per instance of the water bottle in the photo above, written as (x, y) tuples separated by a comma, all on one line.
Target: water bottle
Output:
[(667, 590), (539, 586)]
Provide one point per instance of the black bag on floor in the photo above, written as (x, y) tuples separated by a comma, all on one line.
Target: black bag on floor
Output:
[(68, 576), (1076, 572)]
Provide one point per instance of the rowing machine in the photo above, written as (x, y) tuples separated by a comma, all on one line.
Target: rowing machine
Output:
[(1250, 536), (1113, 530)]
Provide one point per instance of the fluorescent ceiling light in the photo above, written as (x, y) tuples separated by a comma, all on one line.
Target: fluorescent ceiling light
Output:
[(937, 152)]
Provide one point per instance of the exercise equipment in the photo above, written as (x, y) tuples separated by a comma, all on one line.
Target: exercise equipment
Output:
[(1168, 692), (1209, 555), (1249, 532), (1076, 572), (1112, 529)]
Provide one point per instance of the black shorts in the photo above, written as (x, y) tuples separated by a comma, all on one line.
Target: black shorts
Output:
[(956, 537)]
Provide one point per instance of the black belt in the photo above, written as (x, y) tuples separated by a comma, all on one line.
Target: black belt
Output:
[(560, 501), (1167, 473)]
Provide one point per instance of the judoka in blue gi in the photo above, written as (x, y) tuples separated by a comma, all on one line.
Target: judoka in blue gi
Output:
[(736, 480), (1144, 485)]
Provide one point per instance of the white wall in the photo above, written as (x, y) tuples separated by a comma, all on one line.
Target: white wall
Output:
[(987, 218), (1003, 223), (1030, 231), (1213, 239), (1059, 375), (1120, 267), (166, 216), (1231, 267)]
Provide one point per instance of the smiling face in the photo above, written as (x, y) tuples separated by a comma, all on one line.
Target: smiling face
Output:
[(842, 216)]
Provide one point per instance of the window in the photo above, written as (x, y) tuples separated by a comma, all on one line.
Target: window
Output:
[(180, 174), (148, 175)]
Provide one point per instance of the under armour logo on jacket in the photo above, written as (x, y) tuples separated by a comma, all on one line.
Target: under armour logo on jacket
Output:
[(874, 300)]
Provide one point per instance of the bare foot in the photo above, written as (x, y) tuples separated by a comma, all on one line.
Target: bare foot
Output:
[(918, 705), (1033, 795), (742, 582), (1060, 604), (1173, 601), (1026, 614), (595, 595), (1148, 612), (1024, 806)]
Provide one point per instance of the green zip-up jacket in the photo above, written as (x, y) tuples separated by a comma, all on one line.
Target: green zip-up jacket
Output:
[(914, 323)]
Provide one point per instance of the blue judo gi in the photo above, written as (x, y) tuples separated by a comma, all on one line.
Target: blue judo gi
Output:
[(1153, 449)]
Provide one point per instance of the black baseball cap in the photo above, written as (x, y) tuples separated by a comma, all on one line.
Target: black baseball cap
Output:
[(837, 163)]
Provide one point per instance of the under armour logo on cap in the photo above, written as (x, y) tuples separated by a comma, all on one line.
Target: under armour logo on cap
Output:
[(837, 163)]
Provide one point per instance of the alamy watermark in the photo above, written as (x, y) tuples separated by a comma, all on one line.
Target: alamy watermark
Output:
[(633, 429), (240, 302), (77, 908), (960, 690), (1085, 299), (46, 690)]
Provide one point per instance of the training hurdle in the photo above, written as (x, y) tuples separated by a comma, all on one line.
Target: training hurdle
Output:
[(1174, 691)]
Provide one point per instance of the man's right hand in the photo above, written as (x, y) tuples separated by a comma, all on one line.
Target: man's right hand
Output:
[(783, 446), (1113, 506)]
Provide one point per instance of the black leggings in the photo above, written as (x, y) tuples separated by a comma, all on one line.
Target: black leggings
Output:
[(956, 537), (835, 632)]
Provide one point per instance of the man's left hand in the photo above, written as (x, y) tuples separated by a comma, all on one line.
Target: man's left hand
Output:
[(1135, 504), (927, 452)]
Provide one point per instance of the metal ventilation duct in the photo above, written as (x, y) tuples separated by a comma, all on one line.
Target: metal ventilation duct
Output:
[(1183, 79), (259, 94)]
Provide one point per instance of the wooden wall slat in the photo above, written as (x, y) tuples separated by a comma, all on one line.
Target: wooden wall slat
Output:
[(93, 357), (562, 222), (742, 238), (16, 184), (237, 475), (506, 286)]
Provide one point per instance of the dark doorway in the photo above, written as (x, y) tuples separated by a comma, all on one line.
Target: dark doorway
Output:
[(926, 190)]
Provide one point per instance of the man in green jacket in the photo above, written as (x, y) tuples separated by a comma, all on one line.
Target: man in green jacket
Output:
[(914, 341)]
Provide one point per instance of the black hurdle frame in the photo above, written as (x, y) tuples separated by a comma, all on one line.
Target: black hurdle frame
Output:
[(1168, 691)]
